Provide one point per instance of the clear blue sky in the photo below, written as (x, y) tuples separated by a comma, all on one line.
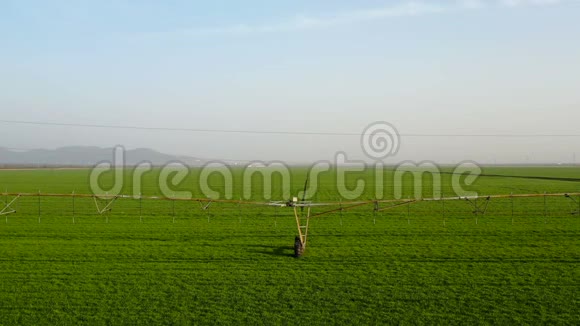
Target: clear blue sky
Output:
[(510, 66)]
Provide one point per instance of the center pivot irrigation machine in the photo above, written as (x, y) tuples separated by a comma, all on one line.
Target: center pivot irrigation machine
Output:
[(302, 209)]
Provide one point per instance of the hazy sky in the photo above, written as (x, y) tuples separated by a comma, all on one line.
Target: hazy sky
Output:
[(428, 67)]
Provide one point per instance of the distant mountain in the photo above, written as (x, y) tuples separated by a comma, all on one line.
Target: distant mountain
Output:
[(88, 156)]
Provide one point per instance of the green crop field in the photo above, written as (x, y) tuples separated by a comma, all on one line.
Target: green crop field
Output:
[(171, 262)]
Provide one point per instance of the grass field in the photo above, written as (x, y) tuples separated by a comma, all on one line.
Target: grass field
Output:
[(422, 263)]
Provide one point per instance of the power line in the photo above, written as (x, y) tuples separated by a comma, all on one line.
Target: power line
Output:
[(269, 132), (56, 124)]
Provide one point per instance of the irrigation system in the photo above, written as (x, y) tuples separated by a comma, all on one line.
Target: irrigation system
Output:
[(301, 208)]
